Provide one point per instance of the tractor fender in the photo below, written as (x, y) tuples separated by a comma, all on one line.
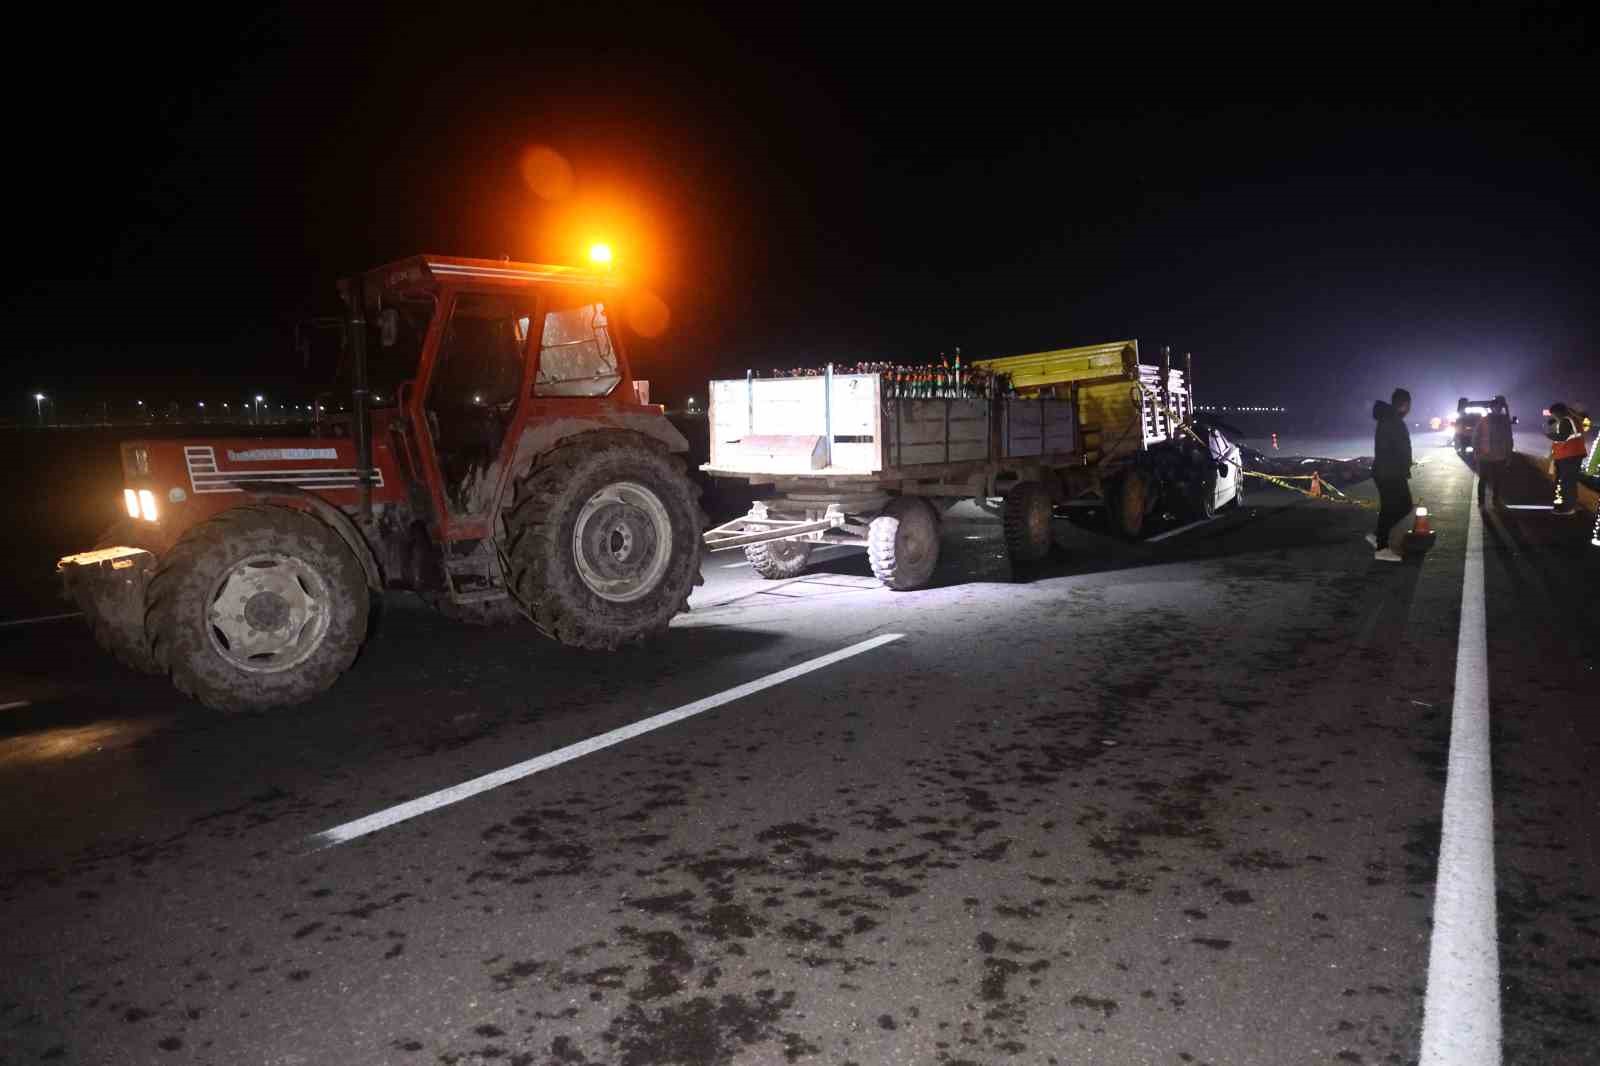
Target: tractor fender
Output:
[(285, 495), (541, 435)]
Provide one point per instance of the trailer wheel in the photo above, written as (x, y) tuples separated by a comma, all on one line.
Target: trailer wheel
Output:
[(259, 607), (903, 543), (1135, 498), (603, 540), (779, 559), (115, 612), (1026, 519)]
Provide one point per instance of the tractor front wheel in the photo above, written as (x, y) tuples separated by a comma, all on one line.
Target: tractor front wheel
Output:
[(603, 541), (260, 607)]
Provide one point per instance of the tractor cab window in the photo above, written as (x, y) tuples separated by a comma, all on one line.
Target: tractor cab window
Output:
[(480, 355), (576, 357), (392, 357), (473, 391)]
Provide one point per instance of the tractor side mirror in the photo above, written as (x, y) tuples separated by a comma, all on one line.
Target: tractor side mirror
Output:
[(1515, 420), (388, 327), (1222, 470)]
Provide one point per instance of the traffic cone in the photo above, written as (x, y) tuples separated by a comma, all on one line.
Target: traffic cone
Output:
[(1316, 484), (1421, 537)]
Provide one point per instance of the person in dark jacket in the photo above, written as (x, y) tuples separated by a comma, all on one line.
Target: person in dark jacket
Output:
[(1391, 470)]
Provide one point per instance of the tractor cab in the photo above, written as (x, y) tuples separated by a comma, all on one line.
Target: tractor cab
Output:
[(460, 351)]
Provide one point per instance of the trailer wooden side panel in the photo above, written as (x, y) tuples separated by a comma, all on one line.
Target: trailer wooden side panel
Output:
[(788, 426), (918, 432), (744, 410)]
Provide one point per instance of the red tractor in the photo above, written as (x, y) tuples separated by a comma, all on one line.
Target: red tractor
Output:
[(498, 459)]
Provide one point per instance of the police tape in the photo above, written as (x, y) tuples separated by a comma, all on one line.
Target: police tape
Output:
[(1328, 492)]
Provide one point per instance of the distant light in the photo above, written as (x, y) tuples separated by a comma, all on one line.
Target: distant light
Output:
[(1422, 512), (600, 254), (40, 396), (202, 403), (477, 399), (139, 402), (260, 398)]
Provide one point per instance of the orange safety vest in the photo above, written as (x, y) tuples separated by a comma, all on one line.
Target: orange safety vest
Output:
[(1571, 448)]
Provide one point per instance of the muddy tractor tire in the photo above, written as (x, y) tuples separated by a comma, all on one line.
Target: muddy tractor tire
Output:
[(115, 613), (603, 540), (779, 559), (259, 607), (1133, 502), (1025, 519), (903, 543)]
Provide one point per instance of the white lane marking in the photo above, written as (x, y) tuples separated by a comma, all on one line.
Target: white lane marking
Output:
[(1530, 507), (1180, 529), (42, 618), (401, 812), (14, 704), (1461, 1011)]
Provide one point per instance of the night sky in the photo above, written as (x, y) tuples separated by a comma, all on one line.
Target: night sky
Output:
[(1320, 205)]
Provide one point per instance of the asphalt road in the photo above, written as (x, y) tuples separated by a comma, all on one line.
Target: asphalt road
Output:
[(1164, 803)]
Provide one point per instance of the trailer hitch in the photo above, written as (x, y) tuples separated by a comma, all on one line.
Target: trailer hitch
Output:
[(759, 527)]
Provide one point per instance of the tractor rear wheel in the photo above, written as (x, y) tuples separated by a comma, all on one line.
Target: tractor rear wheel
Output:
[(603, 540), (259, 607), (1025, 519), (115, 612), (778, 559), (903, 543)]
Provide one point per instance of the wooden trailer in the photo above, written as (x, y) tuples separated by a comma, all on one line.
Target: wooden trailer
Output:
[(850, 464)]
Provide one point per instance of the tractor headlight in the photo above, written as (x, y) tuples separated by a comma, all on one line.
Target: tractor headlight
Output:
[(131, 499), (147, 505)]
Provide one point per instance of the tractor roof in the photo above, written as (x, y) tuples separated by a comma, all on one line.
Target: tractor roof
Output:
[(422, 271)]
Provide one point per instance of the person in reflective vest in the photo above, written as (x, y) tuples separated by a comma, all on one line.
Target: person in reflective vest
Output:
[(1566, 452)]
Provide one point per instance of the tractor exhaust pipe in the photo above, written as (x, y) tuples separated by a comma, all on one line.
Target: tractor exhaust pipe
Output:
[(356, 331)]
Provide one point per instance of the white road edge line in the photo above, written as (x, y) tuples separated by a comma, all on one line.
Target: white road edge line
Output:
[(1461, 1011), (1180, 529), (14, 704), (1530, 507), (342, 834), (42, 618)]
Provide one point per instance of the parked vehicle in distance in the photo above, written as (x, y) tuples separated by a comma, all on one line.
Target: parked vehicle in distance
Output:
[(1468, 414)]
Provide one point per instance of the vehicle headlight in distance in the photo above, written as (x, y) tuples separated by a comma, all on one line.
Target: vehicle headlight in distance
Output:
[(147, 505), (131, 499)]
